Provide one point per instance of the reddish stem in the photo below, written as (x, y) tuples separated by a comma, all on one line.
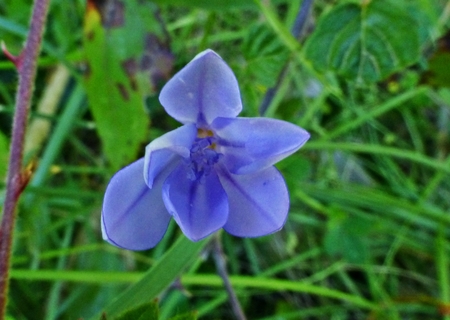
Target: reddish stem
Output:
[(26, 64), (16, 60)]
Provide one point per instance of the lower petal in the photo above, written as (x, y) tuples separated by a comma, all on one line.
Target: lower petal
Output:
[(259, 202), (134, 217), (200, 207)]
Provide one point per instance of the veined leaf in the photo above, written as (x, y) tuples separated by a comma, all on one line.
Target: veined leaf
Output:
[(127, 55), (365, 42)]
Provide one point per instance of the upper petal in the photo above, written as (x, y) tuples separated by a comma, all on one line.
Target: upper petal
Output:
[(133, 217), (164, 149), (200, 207), (203, 90), (252, 144), (259, 202)]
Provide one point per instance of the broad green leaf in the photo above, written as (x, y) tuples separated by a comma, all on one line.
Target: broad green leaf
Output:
[(126, 51), (160, 276), (427, 14), (365, 42)]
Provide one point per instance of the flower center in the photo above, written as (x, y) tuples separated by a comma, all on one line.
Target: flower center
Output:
[(203, 155)]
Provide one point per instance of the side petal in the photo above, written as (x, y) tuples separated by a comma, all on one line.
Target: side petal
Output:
[(203, 90), (199, 207), (252, 144), (259, 202), (133, 217), (164, 149)]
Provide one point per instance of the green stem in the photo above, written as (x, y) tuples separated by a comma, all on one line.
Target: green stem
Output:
[(205, 280), (379, 150), (442, 262)]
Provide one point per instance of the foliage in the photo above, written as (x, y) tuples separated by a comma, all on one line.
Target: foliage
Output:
[(368, 232), (365, 42)]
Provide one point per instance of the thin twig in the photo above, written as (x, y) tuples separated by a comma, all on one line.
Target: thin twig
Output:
[(26, 64), (219, 258)]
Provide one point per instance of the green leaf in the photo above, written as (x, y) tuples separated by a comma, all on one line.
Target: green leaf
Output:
[(160, 276), (185, 316), (147, 311), (212, 4), (365, 42), (126, 51), (264, 55), (438, 73), (207, 4), (347, 237), (295, 168)]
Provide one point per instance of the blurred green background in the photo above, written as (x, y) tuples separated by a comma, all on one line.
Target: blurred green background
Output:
[(368, 231)]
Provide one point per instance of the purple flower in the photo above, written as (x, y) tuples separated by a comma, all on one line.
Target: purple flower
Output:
[(215, 171)]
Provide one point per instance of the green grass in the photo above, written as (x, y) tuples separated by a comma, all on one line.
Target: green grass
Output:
[(368, 234)]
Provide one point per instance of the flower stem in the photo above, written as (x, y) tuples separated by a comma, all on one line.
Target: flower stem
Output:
[(219, 258), (26, 64)]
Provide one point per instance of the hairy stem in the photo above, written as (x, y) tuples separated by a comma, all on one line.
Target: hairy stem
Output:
[(219, 258), (26, 64)]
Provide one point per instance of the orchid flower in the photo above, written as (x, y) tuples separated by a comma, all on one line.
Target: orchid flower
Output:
[(215, 171)]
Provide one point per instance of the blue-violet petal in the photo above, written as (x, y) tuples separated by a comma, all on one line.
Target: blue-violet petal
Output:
[(203, 90), (133, 216), (199, 206), (259, 202), (164, 149), (252, 144)]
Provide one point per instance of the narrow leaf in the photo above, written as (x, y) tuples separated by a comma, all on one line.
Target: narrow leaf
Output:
[(181, 254), (147, 311), (185, 316)]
